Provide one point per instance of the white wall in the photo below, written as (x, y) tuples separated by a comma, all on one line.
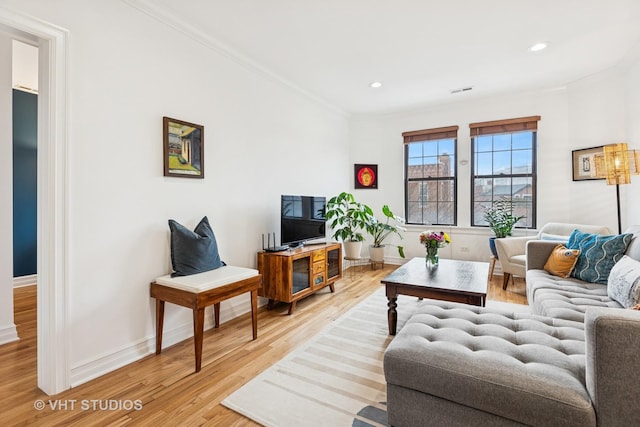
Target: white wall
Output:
[(598, 110), (7, 327), (597, 116), (378, 140), (25, 66), (262, 139), (631, 192)]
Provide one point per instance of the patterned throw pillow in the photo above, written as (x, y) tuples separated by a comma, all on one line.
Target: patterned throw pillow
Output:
[(193, 251), (598, 254), (624, 282), (561, 261)]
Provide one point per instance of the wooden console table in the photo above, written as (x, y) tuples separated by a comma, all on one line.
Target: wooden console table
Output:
[(291, 275), (201, 290)]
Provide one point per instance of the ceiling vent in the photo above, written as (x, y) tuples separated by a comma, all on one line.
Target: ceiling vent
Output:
[(462, 89)]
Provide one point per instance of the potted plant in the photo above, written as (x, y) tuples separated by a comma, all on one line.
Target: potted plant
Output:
[(347, 218), (381, 230), (501, 220)]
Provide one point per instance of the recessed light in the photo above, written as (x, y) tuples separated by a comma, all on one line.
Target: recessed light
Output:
[(538, 47), (375, 85)]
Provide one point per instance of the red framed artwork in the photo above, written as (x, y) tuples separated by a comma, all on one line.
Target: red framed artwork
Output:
[(365, 176)]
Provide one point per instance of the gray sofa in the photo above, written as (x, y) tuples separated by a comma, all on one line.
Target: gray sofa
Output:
[(574, 362)]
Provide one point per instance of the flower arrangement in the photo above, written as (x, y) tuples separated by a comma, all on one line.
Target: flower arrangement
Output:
[(434, 239)]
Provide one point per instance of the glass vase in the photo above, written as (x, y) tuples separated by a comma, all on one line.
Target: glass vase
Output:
[(432, 257)]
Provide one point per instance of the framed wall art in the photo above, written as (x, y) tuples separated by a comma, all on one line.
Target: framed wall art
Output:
[(583, 163), (366, 176), (183, 148)]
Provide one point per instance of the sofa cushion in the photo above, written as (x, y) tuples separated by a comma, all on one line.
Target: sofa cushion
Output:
[(567, 299), (598, 254), (624, 282), (525, 368), (561, 261)]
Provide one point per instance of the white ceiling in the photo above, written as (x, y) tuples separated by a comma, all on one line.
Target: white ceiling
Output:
[(419, 49)]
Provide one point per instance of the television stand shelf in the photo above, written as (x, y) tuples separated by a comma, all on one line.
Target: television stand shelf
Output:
[(291, 275)]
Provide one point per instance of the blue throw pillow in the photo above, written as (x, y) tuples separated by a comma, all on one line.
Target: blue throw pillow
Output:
[(598, 254), (193, 251)]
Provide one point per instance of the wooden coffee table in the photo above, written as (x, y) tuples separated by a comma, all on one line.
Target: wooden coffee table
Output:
[(452, 280)]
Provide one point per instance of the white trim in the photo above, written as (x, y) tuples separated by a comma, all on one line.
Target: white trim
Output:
[(19, 282), (161, 14), (52, 41), (8, 334), (90, 369)]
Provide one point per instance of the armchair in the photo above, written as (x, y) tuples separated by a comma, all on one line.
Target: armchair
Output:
[(511, 250)]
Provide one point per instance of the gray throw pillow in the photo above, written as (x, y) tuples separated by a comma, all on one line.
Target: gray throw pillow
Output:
[(624, 282), (193, 251)]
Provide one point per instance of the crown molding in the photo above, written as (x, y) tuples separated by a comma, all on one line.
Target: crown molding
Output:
[(171, 20)]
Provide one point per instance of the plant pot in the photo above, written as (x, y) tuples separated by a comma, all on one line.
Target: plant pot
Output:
[(352, 249), (376, 253), (492, 246)]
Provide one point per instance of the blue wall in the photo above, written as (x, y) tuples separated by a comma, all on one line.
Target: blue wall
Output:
[(25, 172)]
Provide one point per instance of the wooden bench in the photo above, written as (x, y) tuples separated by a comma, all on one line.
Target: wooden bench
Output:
[(200, 290)]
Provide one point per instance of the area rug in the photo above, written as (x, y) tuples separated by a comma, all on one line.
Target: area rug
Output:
[(335, 379)]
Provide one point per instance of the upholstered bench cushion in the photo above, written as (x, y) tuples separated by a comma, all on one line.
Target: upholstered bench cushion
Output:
[(201, 282), (525, 368), (568, 298)]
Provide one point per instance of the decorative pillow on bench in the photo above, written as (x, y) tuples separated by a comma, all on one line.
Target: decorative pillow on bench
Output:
[(598, 254), (193, 251), (624, 282)]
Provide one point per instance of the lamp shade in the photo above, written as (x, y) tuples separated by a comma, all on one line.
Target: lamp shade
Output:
[(616, 163)]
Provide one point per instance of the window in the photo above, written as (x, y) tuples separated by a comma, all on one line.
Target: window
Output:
[(504, 167), (430, 176)]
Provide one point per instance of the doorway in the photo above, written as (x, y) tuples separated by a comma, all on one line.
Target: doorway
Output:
[(52, 42)]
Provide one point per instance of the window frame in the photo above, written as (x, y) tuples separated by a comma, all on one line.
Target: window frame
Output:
[(508, 126), (426, 135)]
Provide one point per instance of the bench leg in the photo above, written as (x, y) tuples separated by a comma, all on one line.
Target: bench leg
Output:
[(159, 324), (216, 315), (254, 313), (198, 332)]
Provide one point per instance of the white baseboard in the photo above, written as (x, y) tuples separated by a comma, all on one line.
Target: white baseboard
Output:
[(9, 334), (21, 281), (91, 369)]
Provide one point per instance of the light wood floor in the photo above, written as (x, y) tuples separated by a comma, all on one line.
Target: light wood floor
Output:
[(170, 392)]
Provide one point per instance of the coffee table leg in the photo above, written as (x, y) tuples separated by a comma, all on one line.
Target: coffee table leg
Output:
[(392, 315)]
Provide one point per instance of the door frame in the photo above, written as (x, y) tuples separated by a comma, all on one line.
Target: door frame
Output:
[(52, 217)]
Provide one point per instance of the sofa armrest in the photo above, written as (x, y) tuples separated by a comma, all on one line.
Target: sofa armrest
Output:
[(612, 339), (538, 252)]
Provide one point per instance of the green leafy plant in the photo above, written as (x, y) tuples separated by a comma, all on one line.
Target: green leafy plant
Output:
[(381, 230), (347, 217), (500, 217)]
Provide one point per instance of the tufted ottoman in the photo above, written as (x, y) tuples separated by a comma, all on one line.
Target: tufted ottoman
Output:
[(455, 364)]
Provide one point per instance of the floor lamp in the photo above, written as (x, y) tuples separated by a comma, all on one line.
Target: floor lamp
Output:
[(616, 164)]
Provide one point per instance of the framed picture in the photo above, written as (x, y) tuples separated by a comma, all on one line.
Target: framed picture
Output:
[(366, 176), (183, 148), (583, 164)]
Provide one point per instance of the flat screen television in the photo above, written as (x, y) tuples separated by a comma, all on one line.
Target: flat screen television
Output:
[(302, 219)]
